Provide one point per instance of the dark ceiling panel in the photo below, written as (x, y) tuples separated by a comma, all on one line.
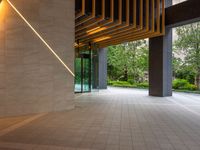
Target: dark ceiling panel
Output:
[(176, 17)]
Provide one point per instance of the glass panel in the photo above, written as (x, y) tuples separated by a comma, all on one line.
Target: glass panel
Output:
[(86, 69), (78, 75), (86, 74), (95, 71), (83, 70)]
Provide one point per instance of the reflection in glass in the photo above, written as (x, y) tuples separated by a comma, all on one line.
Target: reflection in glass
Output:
[(86, 69)]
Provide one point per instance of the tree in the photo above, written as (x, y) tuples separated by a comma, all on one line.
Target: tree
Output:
[(187, 46), (117, 60), (128, 60), (138, 59)]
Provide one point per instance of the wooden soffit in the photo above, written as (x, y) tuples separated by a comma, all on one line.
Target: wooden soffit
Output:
[(110, 22)]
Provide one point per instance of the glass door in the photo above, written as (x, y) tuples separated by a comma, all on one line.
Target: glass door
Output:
[(78, 77), (86, 72), (83, 71), (86, 69)]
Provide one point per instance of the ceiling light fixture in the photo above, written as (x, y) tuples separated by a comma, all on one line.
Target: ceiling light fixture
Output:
[(96, 30), (102, 39), (78, 44), (93, 29)]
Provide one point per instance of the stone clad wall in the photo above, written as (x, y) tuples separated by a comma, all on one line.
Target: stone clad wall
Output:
[(31, 78)]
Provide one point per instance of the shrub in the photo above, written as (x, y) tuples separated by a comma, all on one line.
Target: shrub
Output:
[(127, 84), (121, 83), (178, 84), (182, 84), (143, 85), (110, 82), (131, 81), (192, 87)]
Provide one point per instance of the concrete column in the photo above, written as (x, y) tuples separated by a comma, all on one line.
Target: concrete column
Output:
[(103, 68), (160, 65)]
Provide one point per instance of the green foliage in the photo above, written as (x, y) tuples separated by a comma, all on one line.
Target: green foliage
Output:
[(120, 83), (128, 61), (187, 50), (191, 87), (128, 84), (178, 84), (185, 72), (143, 85), (182, 84), (131, 81)]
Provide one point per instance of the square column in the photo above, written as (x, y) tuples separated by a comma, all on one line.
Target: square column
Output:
[(160, 65), (103, 68)]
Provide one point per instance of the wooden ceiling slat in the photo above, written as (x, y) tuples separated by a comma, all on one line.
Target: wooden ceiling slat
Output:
[(144, 25), (132, 26), (142, 33), (117, 20), (104, 20), (136, 36), (108, 22), (116, 25), (89, 12), (99, 16), (80, 8)]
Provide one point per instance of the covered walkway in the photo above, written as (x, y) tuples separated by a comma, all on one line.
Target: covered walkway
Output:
[(113, 119)]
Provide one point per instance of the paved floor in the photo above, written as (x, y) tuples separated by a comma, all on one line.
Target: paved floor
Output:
[(10, 121), (114, 119)]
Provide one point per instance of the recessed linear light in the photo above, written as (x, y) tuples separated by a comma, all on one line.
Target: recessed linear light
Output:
[(41, 38), (96, 30), (78, 45), (102, 38), (93, 29)]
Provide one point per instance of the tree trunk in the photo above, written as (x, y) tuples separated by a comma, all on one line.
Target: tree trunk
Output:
[(125, 73)]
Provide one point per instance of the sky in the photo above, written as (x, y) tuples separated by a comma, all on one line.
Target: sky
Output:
[(177, 1)]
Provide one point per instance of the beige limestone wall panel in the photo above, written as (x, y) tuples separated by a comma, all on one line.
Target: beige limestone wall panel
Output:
[(31, 79)]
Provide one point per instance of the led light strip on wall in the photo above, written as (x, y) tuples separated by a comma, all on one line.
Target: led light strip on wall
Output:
[(41, 38)]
